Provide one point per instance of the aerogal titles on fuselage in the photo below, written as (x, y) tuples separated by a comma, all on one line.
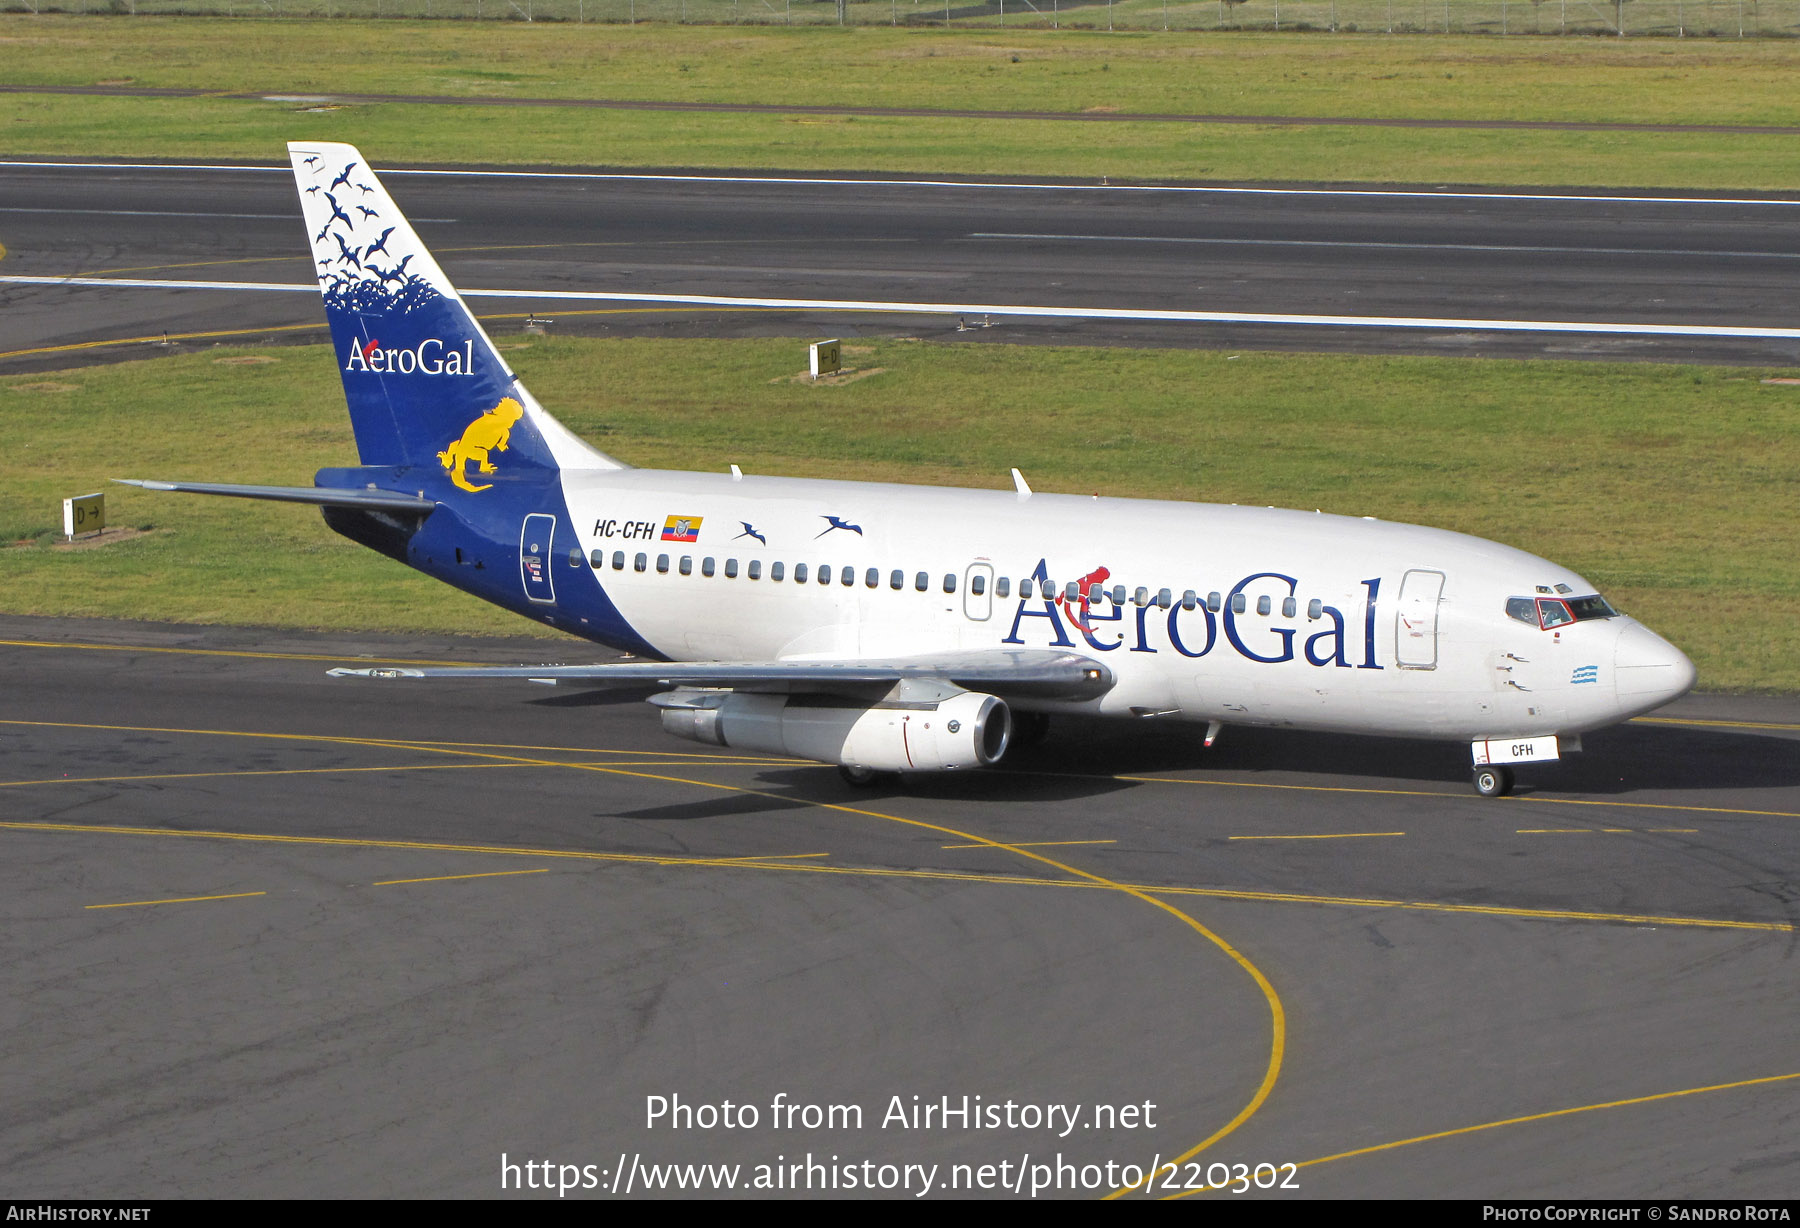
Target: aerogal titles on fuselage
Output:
[(429, 357), (1252, 637)]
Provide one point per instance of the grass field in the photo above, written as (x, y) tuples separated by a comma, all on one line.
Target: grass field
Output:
[(1654, 18), (1672, 488), (1653, 81), (394, 135), (1463, 78)]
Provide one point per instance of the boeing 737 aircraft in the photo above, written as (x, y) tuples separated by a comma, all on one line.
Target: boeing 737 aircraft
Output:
[(918, 629)]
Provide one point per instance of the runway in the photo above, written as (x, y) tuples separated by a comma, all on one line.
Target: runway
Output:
[(1306, 267), (275, 934)]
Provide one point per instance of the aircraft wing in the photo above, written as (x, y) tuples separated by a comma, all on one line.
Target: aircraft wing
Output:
[(1006, 672), (323, 496)]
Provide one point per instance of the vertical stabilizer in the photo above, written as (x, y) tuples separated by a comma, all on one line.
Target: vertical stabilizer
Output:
[(425, 385)]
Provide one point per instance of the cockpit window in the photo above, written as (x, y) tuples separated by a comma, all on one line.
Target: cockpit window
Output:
[(1547, 612), (1553, 613), (1585, 608)]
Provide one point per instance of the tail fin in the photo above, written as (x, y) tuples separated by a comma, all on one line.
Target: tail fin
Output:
[(425, 385)]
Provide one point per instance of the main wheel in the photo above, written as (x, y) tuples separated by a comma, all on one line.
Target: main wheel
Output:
[(1493, 781), (858, 777)]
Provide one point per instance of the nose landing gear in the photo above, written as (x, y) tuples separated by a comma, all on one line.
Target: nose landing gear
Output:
[(1493, 780)]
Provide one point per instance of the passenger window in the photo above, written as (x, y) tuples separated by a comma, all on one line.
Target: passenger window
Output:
[(824, 573), (1164, 598), (618, 560), (897, 580), (1189, 600), (662, 564), (706, 566), (1315, 608), (978, 584), (755, 571), (847, 577), (921, 581), (776, 570), (598, 558), (687, 564), (950, 582), (731, 569), (642, 561), (1238, 603), (575, 557), (872, 578), (1262, 604), (799, 573), (1072, 591), (1118, 594), (1213, 603), (1002, 586), (1289, 607), (1142, 596), (1025, 587)]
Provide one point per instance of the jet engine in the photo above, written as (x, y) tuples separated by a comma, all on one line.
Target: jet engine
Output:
[(950, 730)]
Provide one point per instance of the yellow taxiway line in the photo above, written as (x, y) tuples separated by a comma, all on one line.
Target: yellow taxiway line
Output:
[(191, 899), (1334, 835), (449, 878), (1519, 1121)]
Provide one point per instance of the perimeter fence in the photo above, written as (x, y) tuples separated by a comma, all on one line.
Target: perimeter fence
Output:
[(1617, 18)]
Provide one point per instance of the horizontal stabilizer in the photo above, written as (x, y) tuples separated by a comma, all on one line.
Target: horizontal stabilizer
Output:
[(322, 496), (1034, 673)]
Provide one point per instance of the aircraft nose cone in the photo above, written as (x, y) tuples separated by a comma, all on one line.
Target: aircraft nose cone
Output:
[(1648, 670)]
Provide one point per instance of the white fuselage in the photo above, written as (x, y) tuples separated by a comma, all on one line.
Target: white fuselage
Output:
[(1295, 618)]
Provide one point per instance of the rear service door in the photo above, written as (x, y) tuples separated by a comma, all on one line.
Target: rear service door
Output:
[(534, 557)]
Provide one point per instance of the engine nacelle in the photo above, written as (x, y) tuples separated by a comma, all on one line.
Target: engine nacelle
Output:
[(963, 729)]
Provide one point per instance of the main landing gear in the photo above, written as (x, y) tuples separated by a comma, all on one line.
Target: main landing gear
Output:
[(866, 778), (1493, 780), (1029, 729)]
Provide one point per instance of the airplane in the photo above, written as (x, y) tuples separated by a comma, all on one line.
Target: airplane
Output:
[(926, 629)]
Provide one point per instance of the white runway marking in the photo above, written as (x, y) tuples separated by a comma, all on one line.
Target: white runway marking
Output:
[(1504, 248), (139, 283), (977, 309), (142, 213), (621, 177), (276, 217)]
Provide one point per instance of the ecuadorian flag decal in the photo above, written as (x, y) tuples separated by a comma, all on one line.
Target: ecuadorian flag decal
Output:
[(681, 529)]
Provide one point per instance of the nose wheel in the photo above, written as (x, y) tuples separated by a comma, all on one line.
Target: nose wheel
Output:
[(1493, 781)]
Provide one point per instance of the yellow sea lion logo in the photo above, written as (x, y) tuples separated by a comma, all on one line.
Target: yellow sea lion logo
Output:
[(491, 430)]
